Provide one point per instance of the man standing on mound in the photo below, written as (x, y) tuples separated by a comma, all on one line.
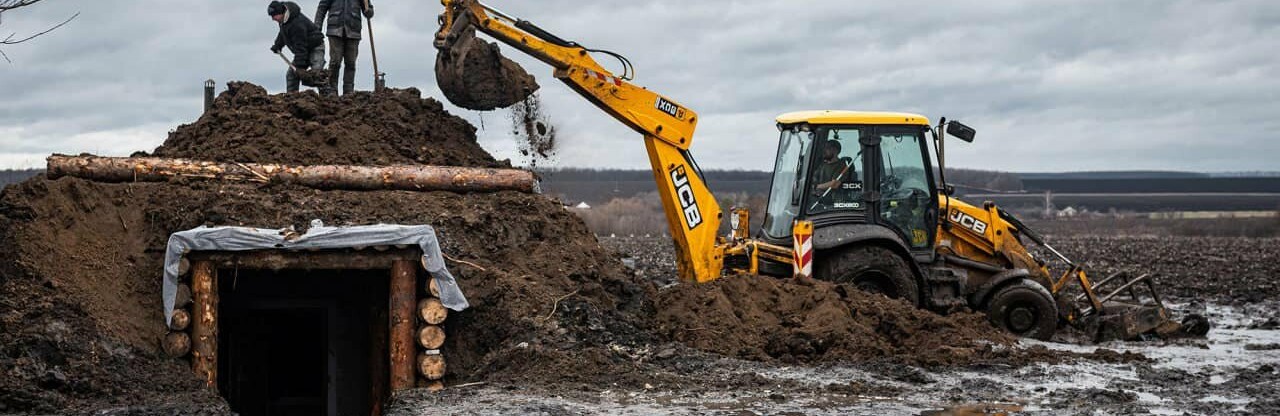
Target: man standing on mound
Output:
[(301, 35), (344, 38)]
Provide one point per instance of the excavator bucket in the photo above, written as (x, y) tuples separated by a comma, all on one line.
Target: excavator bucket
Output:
[(472, 73)]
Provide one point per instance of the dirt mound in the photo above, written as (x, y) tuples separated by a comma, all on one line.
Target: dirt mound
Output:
[(365, 128), (80, 263), (768, 318)]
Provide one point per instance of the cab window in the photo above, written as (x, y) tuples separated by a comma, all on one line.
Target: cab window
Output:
[(904, 184), (836, 177)]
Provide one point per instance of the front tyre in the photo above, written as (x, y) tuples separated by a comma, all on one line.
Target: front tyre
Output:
[(1025, 309), (873, 269)]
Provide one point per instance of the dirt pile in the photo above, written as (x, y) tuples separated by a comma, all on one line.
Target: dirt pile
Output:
[(384, 128), (766, 318), (80, 264)]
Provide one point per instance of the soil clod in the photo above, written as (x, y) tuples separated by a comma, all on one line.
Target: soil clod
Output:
[(474, 75)]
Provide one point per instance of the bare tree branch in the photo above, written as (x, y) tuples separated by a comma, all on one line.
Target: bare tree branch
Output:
[(6, 5), (9, 40), (13, 4)]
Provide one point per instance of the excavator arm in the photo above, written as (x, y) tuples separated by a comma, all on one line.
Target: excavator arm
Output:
[(693, 214)]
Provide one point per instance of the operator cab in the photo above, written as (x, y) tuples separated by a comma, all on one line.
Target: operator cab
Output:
[(847, 168)]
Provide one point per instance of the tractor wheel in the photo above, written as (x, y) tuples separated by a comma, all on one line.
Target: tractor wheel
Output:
[(1025, 309), (871, 268)]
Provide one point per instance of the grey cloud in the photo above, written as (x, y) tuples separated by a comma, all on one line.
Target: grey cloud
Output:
[(1050, 85)]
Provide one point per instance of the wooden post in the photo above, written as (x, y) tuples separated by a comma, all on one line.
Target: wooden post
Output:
[(431, 337), (432, 287), (403, 299), (431, 311), (180, 320), (177, 344), (431, 365), (204, 326)]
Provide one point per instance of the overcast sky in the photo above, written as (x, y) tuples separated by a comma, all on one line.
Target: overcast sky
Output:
[(1050, 85)]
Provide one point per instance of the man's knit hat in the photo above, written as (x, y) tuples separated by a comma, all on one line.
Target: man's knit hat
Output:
[(275, 8)]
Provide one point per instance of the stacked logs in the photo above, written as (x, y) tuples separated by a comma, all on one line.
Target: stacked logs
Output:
[(430, 337), (177, 343)]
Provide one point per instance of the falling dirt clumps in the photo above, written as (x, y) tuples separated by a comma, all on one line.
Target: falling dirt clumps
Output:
[(763, 318), (392, 126), (535, 135)]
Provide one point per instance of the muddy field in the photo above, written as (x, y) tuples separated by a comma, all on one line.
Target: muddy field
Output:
[(1233, 371), (80, 272), (563, 322)]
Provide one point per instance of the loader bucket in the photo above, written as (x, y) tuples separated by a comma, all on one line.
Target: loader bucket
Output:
[(472, 74), (1123, 308)]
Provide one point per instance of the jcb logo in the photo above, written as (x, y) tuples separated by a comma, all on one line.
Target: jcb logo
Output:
[(670, 108), (684, 193), (968, 221)]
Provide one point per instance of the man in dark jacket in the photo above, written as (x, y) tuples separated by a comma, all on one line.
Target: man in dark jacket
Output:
[(301, 36), (344, 37)]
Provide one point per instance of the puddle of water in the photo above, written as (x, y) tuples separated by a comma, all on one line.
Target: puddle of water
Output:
[(992, 409)]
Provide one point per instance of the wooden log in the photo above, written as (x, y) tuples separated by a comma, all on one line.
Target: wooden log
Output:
[(398, 177), (401, 310), (431, 337), (180, 320), (432, 311), (184, 266), (432, 287), (204, 325), (183, 298), (431, 366), (177, 344), (435, 386)]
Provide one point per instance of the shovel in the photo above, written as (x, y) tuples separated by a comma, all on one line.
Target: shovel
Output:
[(309, 77), (379, 78)]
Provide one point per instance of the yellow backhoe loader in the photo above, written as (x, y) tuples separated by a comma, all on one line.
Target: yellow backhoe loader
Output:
[(854, 198)]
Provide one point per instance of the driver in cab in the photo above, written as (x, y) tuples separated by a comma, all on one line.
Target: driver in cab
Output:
[(831, 172)]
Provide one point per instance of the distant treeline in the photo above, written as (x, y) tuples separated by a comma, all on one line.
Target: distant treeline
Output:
[(1202, 184), (598, 186), (15, 176)]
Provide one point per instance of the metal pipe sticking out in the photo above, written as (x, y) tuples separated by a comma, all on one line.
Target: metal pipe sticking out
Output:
[(208, 95)]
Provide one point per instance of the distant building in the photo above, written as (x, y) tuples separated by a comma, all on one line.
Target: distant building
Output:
[(582, 205), (1068, 212)]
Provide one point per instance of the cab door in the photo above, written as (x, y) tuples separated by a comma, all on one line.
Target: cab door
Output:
[(904, 180)]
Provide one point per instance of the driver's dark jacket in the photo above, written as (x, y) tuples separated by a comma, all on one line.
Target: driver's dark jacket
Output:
[(827, 171)]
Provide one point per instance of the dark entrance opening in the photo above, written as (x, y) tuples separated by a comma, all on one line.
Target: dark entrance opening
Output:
[(303, 342)]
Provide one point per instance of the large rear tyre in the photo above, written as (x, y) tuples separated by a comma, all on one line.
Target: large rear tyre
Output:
[(871, 268), (1025, 309)]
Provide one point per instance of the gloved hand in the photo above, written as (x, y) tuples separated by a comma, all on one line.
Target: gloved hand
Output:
[(368, 12), (275, 49)]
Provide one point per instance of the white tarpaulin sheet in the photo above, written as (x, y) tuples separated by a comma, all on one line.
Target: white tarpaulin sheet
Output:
[(317, 237)]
